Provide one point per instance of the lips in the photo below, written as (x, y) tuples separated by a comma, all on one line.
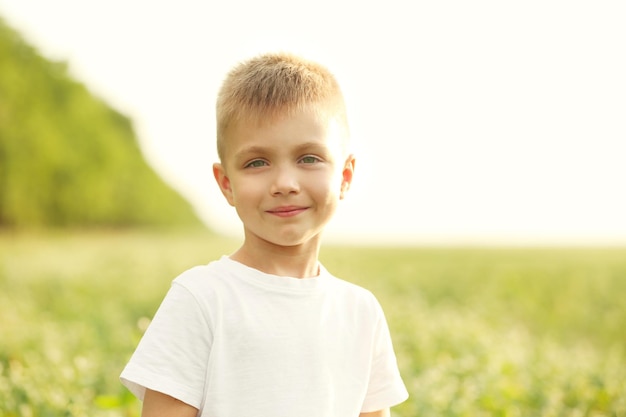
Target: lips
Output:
[(287, 211)]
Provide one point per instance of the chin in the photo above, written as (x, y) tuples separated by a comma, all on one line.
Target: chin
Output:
[(292, 241)]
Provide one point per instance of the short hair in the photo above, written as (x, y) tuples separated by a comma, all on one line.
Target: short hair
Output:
[(271, 85)]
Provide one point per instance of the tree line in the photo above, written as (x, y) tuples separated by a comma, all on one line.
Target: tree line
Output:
[(67, 159)]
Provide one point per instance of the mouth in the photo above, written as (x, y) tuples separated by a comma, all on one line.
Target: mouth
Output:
[(287, 211)]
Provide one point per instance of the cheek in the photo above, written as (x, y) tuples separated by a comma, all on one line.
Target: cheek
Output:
[(248, 190), (329, 186)]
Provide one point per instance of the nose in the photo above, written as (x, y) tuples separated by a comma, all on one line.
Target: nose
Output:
[(285, 181)]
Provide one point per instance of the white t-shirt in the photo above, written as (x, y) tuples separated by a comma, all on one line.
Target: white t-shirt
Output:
[(233, 341)]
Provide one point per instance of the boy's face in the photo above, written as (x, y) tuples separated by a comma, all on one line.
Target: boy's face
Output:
[(285, 178)]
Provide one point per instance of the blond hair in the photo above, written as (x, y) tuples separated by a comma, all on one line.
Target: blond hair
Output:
[(276, 84)]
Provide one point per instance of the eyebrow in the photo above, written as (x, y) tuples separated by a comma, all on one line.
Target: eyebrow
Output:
[(250, 150), (256, 149)]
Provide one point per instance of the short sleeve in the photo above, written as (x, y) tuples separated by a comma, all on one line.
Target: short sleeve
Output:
[(385, 388), (172, 355)]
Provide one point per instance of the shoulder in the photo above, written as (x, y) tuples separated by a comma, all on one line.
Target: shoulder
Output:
[(350, 288), (203, 275), (215, 283), (356, 295), (345, 285)]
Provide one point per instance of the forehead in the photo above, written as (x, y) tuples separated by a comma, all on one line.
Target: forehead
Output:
[(284, 131)]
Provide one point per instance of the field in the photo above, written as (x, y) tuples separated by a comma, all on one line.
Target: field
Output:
[(478, 331)]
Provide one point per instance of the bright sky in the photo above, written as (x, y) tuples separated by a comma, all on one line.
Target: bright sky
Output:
[(474, 122)]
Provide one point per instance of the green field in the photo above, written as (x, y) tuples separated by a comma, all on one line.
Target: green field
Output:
[(478, 331)]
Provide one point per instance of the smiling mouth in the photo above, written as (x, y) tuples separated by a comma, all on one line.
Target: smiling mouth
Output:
[(289, 211)]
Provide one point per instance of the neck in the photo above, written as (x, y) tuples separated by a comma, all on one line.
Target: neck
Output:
[(299, 261)]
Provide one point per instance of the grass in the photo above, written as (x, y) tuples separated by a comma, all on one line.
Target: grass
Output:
[(478, 331)]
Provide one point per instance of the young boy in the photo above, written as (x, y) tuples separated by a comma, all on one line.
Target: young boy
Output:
[(267, 331)]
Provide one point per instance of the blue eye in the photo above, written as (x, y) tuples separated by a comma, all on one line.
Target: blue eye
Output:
[(257, 163)]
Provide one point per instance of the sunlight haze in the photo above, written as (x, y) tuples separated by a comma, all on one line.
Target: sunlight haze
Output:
[(473, 122)]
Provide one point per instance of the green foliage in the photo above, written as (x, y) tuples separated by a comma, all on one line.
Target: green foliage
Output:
[(502, 332), (478, 332), (68, 159)]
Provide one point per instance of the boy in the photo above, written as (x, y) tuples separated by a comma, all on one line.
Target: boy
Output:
[(267, 331)]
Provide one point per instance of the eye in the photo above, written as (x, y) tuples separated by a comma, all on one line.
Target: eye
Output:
[(257, 163), (310, 159)]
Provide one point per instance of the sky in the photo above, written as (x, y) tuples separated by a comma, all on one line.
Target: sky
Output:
[(482, 122)]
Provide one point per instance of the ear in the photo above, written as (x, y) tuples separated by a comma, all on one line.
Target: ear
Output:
[(346, 175), (223, 182)]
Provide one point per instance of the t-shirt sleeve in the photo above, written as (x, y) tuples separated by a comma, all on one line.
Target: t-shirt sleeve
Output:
[(385, 388), (173, 353)]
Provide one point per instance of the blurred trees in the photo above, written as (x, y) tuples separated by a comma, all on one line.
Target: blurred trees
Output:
[(66, 157)]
